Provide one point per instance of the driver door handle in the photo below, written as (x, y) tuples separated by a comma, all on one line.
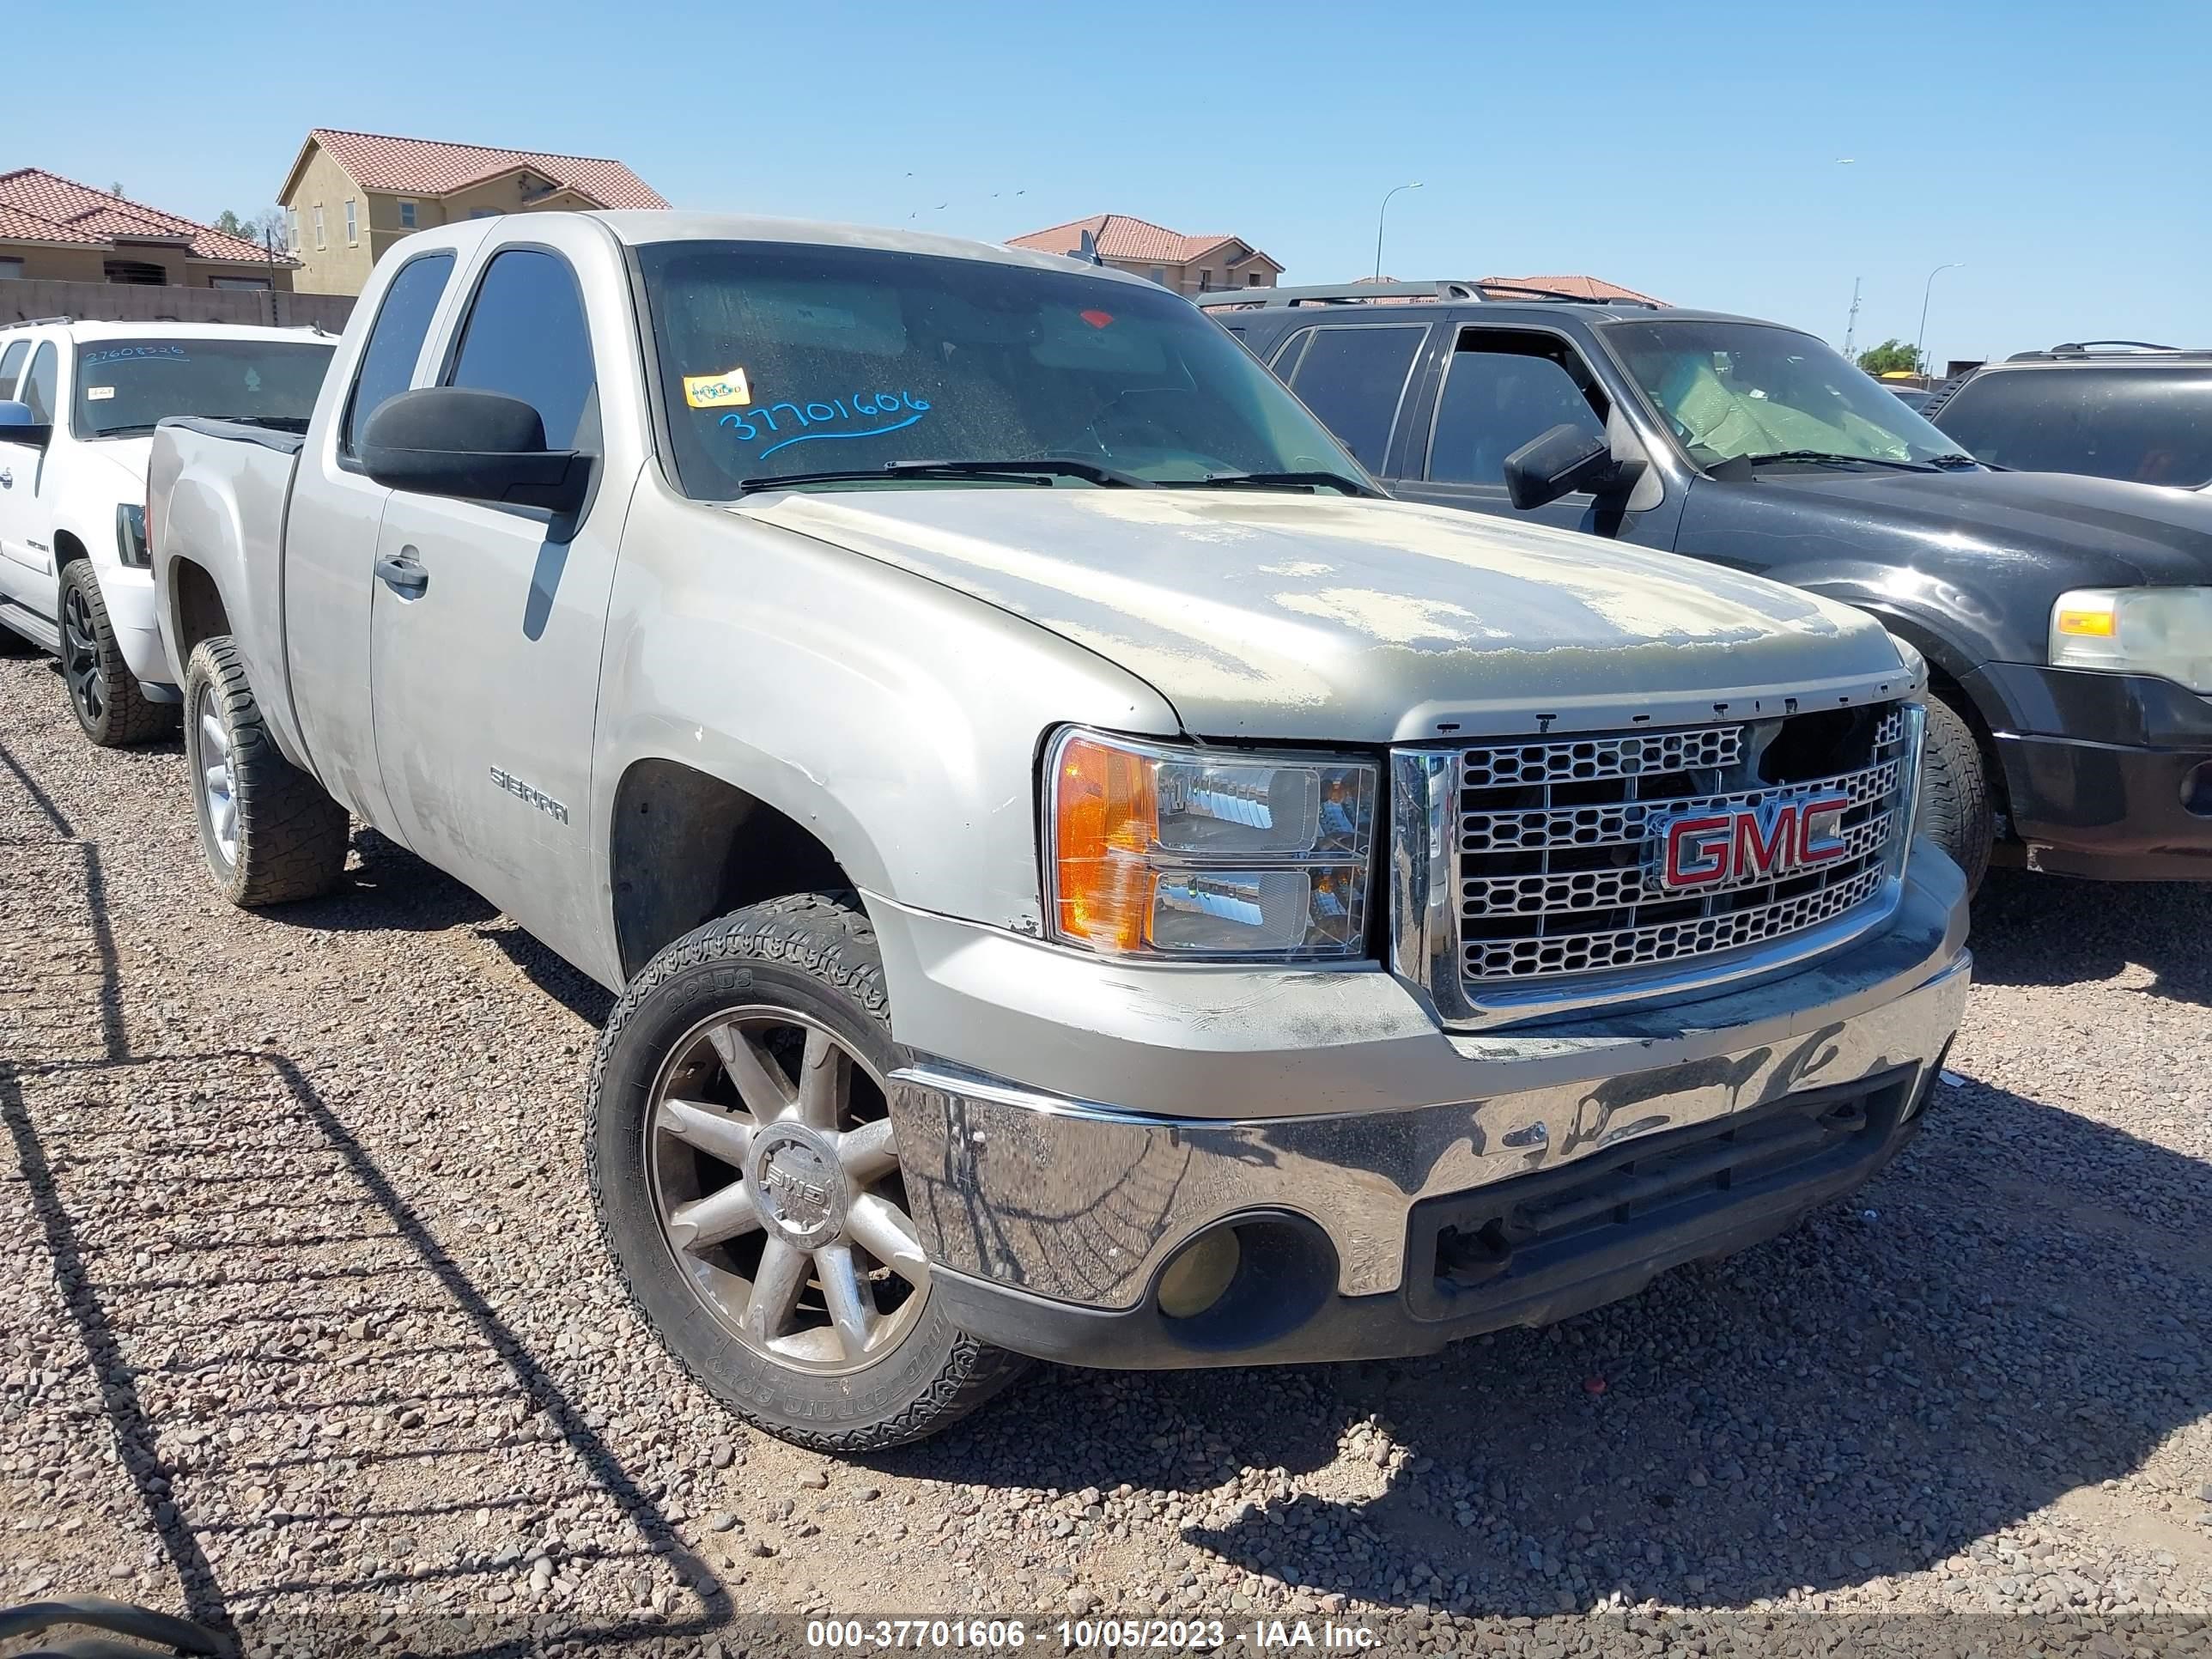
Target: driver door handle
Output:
[(404, 575)]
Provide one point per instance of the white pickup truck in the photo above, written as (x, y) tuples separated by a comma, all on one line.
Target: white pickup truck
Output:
[(1086, 876), (78, 405)]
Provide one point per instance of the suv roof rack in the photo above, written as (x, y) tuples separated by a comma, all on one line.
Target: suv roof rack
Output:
[(34, 322), (1323, 294), (1451, 288), (2094, 348)]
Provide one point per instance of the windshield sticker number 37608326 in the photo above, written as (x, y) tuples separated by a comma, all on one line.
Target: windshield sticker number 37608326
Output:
[(865, 415)]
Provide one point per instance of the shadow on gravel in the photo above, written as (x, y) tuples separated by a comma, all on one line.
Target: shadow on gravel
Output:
[(388, 889), (2017, 1307), (110, 1147), (2055, 930)]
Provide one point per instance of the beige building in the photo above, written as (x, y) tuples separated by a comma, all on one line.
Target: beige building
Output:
[(54, 229), (351, 195), (1189, 265)]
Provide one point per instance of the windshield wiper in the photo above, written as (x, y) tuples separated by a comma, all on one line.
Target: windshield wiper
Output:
[(126, 430), (1315, 480), (1956, 457), (1831, 459), (1041, 471)]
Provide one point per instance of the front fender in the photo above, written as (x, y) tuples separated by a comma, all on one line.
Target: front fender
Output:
[(899, 722)]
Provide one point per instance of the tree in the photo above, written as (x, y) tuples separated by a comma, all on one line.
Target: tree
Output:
[(256, 229), (1890, 356)]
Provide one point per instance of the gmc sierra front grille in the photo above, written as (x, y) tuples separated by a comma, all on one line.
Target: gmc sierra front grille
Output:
[(1562, 842)]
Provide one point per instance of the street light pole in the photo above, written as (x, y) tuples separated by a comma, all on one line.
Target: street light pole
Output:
[(1379, 213), (1919, 363)]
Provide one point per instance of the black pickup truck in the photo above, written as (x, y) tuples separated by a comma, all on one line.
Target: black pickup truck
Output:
[(2067, 621)]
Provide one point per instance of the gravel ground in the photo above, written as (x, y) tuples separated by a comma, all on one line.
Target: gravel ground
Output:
[(305, 1329)]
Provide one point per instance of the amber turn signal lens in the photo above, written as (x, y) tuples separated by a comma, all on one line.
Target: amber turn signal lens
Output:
[(2089, 625), (1106, 820)]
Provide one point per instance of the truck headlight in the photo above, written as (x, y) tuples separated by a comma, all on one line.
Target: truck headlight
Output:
[(1156, 850), (131, 534), (2167, 631)]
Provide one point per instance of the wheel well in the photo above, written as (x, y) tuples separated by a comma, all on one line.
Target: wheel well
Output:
[(686, 848), (199, 611), (67, 551)]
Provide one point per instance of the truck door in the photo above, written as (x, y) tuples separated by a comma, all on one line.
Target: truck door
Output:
[(1502, 387), (486, 631), (27, 557)]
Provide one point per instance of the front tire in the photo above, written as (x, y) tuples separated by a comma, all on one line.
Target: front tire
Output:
[(747, 1183), (270, 833), (1955, 810), (104, 694)]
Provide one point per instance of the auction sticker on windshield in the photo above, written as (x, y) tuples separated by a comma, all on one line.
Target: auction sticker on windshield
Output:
[(717, 391)]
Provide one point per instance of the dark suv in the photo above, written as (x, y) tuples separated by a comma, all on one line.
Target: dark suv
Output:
[(2067, 620), (2112, 409)]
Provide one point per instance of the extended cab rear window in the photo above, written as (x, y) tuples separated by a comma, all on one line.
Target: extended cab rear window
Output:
[(2144, 424), (778, 359)]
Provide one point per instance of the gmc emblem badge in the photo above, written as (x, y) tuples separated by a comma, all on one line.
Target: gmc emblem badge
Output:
[(1733, 845)]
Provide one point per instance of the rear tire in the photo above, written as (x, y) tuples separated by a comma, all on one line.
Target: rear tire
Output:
[(271, 833), (1956, 812), (714, 1025), (104, 694)]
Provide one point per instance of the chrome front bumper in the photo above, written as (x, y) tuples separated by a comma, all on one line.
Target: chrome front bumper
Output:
[(1071, 1200)]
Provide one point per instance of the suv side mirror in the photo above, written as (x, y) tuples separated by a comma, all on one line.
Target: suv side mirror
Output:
[(474, 447), (1564, 461), (18, 424)]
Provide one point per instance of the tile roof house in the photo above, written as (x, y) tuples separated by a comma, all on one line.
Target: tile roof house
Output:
[(1578, 288), (1189, 265), (350, 195), (55, 228)]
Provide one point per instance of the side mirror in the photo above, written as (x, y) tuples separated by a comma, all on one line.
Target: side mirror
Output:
[(20, 425), (1562, 461), (474, 447)]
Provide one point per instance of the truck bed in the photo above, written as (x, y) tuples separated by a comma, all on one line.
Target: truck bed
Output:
[(218, 495)]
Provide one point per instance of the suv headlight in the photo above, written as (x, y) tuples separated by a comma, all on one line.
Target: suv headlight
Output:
[(2167, 631), (1154, 850), (131, 534)]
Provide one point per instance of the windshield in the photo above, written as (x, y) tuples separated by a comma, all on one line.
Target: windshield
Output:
[(124, 387), (781, 358), (2147, 425), (1746, 389)]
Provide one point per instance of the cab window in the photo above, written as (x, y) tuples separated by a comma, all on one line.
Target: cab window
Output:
[(402, 322), (42, 385), (1354, 376), (1500, 391), (525, 337)]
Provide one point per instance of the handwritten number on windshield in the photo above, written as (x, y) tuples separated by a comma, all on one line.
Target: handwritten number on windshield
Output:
[(834, 417)]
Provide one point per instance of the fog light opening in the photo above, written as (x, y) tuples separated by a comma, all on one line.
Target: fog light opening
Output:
[(2197, 792), (1199, 1274)]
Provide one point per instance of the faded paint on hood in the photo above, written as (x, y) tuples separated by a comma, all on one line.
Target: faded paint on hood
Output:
[(1301, 617)]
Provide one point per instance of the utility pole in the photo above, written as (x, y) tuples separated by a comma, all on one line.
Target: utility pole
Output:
[(1851, 326)]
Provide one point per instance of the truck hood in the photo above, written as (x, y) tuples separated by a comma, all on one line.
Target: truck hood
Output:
[(2099, 532), (117, 466), (1284, 616)]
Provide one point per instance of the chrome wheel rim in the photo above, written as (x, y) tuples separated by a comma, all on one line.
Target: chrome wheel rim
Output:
[(773, 1171), (218, 799), (81, 658)]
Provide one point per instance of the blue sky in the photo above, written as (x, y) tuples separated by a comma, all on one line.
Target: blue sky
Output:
[(2063, 153)]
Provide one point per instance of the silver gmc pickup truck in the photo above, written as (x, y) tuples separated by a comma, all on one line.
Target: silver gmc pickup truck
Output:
[(1086, 876)]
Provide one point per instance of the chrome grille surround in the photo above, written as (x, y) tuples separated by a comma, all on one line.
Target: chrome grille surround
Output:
[(1521, 888)]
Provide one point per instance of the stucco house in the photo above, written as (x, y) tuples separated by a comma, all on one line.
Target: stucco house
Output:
[(54, 229), (1189, 265), (350, 195)]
